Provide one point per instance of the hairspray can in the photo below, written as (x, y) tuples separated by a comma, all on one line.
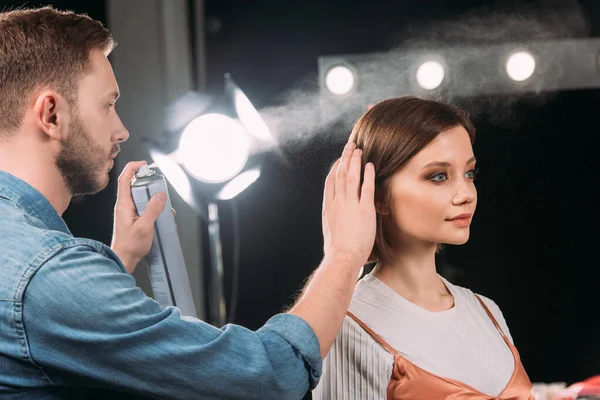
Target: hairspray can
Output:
[(166, 266)]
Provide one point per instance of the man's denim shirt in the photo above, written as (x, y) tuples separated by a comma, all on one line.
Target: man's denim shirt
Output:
[(72, 321)]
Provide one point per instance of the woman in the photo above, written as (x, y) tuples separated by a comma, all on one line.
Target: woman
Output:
[(409, 333)]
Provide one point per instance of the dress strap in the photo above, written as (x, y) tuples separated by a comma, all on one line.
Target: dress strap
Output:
[(375, 336), (489, 313)]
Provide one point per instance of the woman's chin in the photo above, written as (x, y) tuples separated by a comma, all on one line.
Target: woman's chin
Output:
[(456, 240)]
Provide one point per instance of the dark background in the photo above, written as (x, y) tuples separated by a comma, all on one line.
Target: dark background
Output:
[(533, 242)]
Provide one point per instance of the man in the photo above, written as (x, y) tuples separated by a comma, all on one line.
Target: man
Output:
[(72, 320)]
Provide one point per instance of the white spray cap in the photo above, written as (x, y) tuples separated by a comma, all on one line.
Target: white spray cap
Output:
[(144, 171)]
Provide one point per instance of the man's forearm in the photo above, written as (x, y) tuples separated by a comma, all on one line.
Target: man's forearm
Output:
[(325, 299), (349, 223)]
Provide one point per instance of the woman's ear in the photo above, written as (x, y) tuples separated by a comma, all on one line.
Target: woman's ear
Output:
[(382, 208)]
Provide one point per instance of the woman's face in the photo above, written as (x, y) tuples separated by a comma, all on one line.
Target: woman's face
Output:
[(433, 197)]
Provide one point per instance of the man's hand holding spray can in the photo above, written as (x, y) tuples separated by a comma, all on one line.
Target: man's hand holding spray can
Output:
[(166, 265)]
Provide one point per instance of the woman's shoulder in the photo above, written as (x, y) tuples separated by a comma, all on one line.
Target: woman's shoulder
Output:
[(468, 297), (355, 342), (352, 336), (358, 347), (355, 360)]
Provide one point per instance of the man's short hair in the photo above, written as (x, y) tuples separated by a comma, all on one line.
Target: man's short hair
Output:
[(43, 48)]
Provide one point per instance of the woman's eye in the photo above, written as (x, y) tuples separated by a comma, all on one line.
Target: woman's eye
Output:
[(471, 174), (439, 177)]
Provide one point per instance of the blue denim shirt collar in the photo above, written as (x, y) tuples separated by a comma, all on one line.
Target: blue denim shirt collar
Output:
[(31, 201)]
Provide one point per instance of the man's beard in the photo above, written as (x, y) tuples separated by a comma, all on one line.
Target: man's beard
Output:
[(81, 161)]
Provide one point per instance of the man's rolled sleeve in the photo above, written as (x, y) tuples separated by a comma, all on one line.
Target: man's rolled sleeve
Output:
[(302, 338)]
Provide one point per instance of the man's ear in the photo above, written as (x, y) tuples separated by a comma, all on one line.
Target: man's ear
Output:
[(51, 112)]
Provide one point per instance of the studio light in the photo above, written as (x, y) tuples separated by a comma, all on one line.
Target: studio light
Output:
[(246, 112), (430, 75), (340, 80), (214, 148), (520, 66), (238, 184)]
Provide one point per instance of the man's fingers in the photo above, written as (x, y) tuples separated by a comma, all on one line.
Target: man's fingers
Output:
[(367, 195), (153, 209), (329, 192), (342, 170), (124, 188), (353, 178)]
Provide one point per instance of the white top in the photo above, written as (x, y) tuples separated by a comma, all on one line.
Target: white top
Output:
[(461, 343)]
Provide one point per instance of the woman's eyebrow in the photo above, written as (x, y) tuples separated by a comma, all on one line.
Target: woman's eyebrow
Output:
[(446, 163)]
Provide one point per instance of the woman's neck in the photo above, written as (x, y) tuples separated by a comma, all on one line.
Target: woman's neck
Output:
[(412, 274)]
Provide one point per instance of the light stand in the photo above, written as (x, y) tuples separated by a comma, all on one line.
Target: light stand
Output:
[(217, 308)]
